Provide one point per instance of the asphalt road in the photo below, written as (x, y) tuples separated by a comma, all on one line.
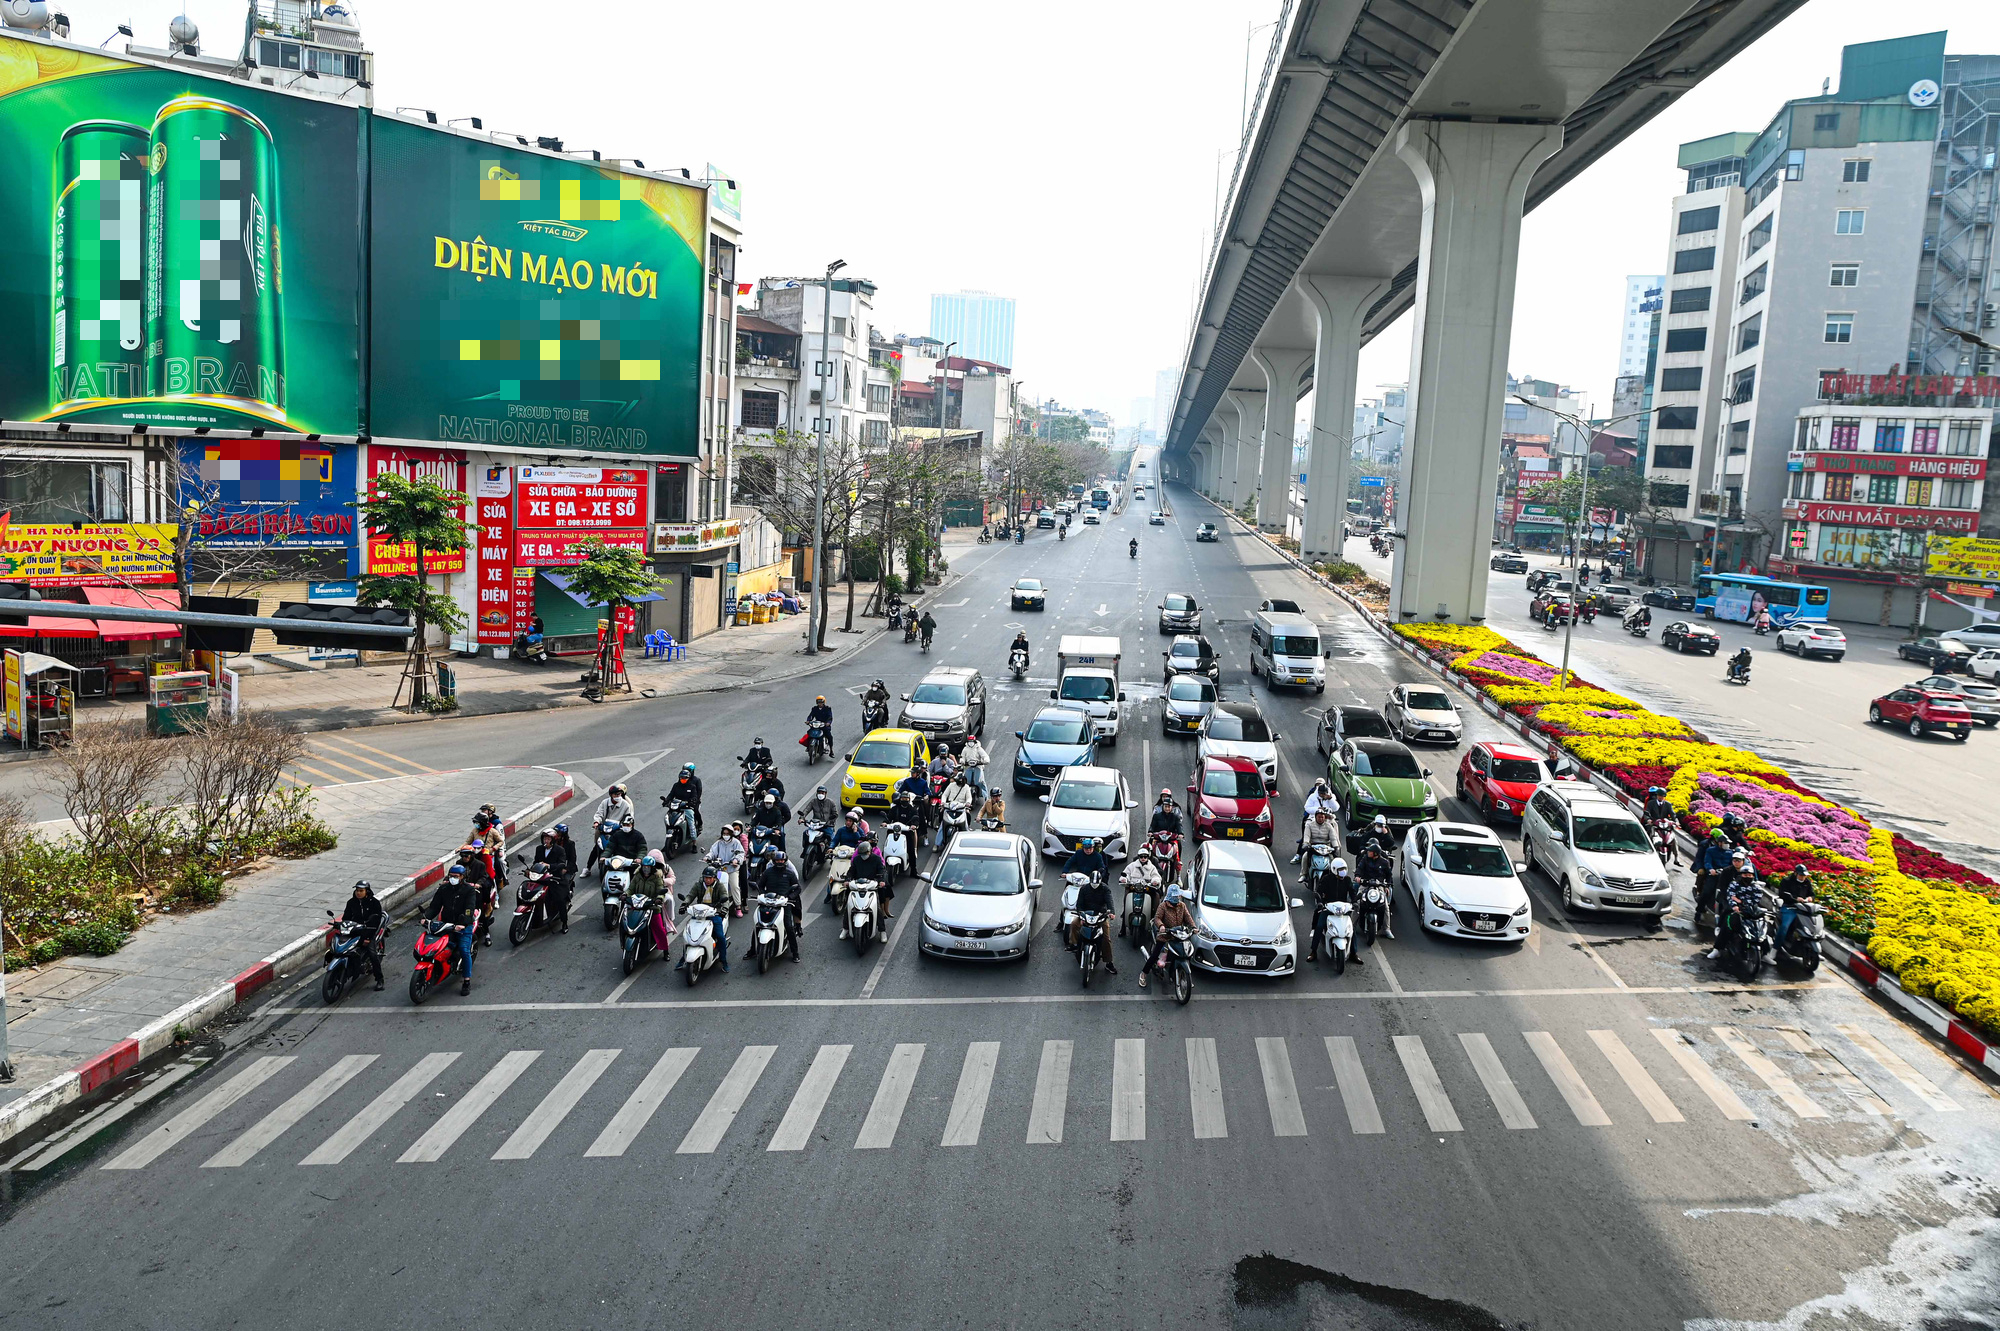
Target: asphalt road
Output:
[(1585, 1130)]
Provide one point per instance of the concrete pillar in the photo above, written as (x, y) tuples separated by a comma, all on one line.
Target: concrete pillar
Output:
[(1474, 179), (1242, 470), (1282, 367), (1340, 303)]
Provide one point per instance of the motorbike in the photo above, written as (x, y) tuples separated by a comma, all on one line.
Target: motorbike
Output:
[(1062, 533), (436, 959), (1091, 930), (1134, 548), (1738, 673), (910, 629), (1020, 535), (1799, 947), (1706, 886), (953, 821), (1166, 848), (617, 879), (763, 840), (775, 935), (1180, 962), (1138, 910), (1637, 628), (751, 785), (1763, 626), (534, 650), (812, 854), (861, 912), (874, 716), (924, 646), (1373, 912), (1336, 931), (992, 825), (601, 848), (699, 947), (986, 538), (636, 935), (680, 834), (1744, 946), (1017, 663), (818, 742), (896, 843), (345, 963), (1664, 846), (536, 902)]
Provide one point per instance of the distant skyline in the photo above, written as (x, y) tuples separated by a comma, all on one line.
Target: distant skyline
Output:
[(980, 322)]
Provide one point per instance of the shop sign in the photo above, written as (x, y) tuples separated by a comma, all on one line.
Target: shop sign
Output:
[(693, 537), (253, 493), (1968, 589), (494, 615), (1883, 515), (1892, 464), (93, 555), (1839, 384), (16, 711), (495, 481), (582, 497), (564, 549), (524, 599), (1969, 557), (444, 467)]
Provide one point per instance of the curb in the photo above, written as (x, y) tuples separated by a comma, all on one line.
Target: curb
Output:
[(93, 1074), (1954, 1032)]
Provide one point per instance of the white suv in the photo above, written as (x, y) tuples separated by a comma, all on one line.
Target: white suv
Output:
[(1813, 640), (1595, 851), (1087, 803)]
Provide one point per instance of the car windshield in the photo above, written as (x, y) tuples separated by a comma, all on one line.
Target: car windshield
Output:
[(1297, 644), (1610, 834), (1363, 725), (1395, 763), (1184, 689), (980, 875), (1472, 859), (1233, 729), (1187, 649), (1516, 769), (1617, 589), (1028, 585), (1423, 700), (882, 753), (1056, 730), (1096, 795), (1239, 889), (1087, 688), (953, 694), (1229, 783), (1180, 604)]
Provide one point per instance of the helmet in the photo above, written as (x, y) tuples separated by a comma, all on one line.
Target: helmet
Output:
[(1166, 792), (617, 788), (364, 883), (1655, 790), (1718, 834), (708, 871), (1731, 820), (1798, 871), (480, 844), (455, 871), (626, 821), (820, 699), (1321, 785), (1322, 813), (548, 832), (822, 790), (880, 685), (777, 855), (687, 769), (1339, 865), (1740, 855), (757, 743), (654, 857), (1088, 843), (1143, 853), (1381, 822), (854, 815), (562, 828), (770, 799)]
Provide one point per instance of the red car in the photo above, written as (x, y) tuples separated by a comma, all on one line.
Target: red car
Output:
[(1229, 802), (1922, 711), (1498, 779)]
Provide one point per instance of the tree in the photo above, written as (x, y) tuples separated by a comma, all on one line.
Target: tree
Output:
[(424, 516), (1615, 488), (613, 576), (788, 461)]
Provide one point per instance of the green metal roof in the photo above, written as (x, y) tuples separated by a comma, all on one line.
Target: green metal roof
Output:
[(1716, 147), (1887, 69)]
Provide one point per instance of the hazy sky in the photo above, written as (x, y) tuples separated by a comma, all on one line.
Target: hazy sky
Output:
[(1061, 153)]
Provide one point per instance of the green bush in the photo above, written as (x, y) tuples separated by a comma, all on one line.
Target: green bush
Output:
[(302, 837), (1342, 571), (196, 884), (99, 938)]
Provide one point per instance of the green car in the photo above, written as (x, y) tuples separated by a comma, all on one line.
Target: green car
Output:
[(1380, 776)]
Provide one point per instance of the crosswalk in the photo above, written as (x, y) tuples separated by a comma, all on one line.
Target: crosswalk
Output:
[(991, 1092), (343, 760)]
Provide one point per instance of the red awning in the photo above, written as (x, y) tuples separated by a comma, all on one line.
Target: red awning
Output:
[(47, 626), (113, 630)]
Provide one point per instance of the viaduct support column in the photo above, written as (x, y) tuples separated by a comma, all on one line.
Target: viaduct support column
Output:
[(1474, 179), (1282, 367), (1340, 303), (1250, 405)]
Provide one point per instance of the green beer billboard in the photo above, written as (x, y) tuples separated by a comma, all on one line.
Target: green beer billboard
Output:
[(522, 300), (186, 251)]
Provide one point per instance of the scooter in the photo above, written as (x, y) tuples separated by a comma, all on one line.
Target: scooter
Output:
[(1134, 548), (680, 834), (1090, 930), (763, 840), (1166, 848), (699, 948), (1179, 961), (813, 853), (536, 901), (1799, 947), (985, 538), (1062, 533), (910, 629), (1638, 628), (1374, 911), (436, 959), (601, 849), (1020, 535), (635, 932), (532, 648), (1336, 931), (1138, 910), (1017, 663), (617, 878), (861, 913), (818, 745), (1738, 673), (1743, 947), (1664, 844), (896, 843), (953, 821), (874, 716), (775, 935), (345, 962)]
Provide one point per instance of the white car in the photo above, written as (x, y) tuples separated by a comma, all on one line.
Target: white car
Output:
[(1975, 635), (1595, 851), (1087, 802), (980, 905), (1462, 882), (1237, 730), (1422, 711), (1090, 517), (1813, 640), (1242, 917), (1986, 664)]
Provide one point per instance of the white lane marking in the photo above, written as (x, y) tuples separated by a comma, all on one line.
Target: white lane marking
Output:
[(48, 1152), (1835, 1071), (803, 1116), (1768, 1072), (1128, 1091), (1637, 1080), (1913, 1081), (287, 1115), (1575, 1093), (892, 1094), (1499, 1086), (1682, 1050), (1281, 1091), (619, 991), (379, 1110), (722, 1107), (1352, 1079), (433, 1144), (1429, 1087), (1381, 955), (555, 1106), (184, 1124), (1146, 769), (911, 907), (637, 1111), (1205, 1090), (1045, 1116), (975, 1083)]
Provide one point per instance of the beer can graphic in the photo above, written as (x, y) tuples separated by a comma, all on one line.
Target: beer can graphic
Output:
[(214, 312), (98, 288)]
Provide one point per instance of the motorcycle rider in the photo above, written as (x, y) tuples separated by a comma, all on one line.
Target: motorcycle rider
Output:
[(652, 878), (1088, 857), (759, 754), (943, 764), (1322, 830), (972, 760), (559, 857), (823, 714), (687, 787), (1173, 913), (1373, 868), (1166, 814), (926, 628), (1639, 616), (1319, 798), (363, 909), (781, 877), (1791, 889), (614, 807), (1739, 664), (915, 789), (728, 854), (1335, 886), (479, 872), (1141, 876), (456, 905), (1020, 644), (1736, 830), (875, 701), (994, 808), (957, 799), (821, 808), (770, 818), (1379, 836), (628, 840), (712, 891), (1711, 865), (1740, 890), (870, 864), (1094, 896), (852, 831), (1135, 547)]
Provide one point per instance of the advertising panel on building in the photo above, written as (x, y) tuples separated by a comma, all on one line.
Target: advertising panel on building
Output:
[(442, 466), (526, 301), (276, 493), (182, 252), (81, 555)]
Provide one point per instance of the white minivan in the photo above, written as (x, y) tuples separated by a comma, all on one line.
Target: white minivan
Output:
[(1285, 650)]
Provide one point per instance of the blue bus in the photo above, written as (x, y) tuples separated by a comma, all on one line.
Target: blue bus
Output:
[(1739, 596)]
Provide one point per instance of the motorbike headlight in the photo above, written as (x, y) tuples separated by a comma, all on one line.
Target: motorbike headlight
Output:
[(1593, 879)]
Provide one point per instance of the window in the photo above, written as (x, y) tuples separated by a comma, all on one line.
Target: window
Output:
[(1681, 381), (1687, 339), (1917, 493), (1844, 275), (1882, 489), (1760, 235), (878, 397), (1888, 437), (1839, 327), (1846, 435), (1677, 457), (1662, 495), (1688, 300), (1676, 418), (1795, 164), (1750, 332), (1839, 487), (1826, 120), (1955, 494), (1745, 386), (1739, 437), (1924, 437), (760, 410), (878, 434), (1234, 729), (59, 490), (1753, 285), (1849, 221), (1962, 439), (1696, 260), (839, 325), (1855, 170), (1700, 219)]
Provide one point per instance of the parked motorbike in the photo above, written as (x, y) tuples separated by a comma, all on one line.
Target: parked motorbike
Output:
[(861, 912), (775, 934), (345, 959), (532, 648), (1800, 947), (812, 854), (1017, 663), (537, 901), (617, 878), (436, 959), (1180, 962), (680, 834), (699, 947), (818, 742), (1090, 930)]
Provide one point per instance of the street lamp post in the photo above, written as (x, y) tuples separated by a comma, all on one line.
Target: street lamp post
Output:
[(819, 458)]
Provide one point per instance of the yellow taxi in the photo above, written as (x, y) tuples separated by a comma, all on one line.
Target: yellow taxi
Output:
[(879, 761)]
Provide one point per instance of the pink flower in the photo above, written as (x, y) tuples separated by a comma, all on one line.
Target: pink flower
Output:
[(1782, 813)]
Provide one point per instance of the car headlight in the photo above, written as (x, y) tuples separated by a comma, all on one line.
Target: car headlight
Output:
[(1592, 879), (1204, 932), (1284, 937), (1520, 910), (1441, 903), (847, 783), (1013, 928), (932, 924), (1264, 814), (1430, 797)]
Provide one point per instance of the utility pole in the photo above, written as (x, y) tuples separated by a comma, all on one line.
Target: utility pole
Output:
[(944, 390), (819, 457)]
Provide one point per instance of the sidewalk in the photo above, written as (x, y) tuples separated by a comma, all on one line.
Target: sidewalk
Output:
[(77, 1023)]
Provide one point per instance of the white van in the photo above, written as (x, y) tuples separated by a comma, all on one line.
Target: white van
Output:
[(1285, 650)]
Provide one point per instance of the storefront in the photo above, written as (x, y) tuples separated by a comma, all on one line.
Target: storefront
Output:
[(108, 565), (531, 521), (693, 561)]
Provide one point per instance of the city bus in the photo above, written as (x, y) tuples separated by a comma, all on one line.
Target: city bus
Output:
[(1739, 596), (1100, 498)]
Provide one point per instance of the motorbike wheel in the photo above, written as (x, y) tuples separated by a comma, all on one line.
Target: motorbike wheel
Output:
[(1338, 956), (1087, 962), (1747, 963), (610, 918), (517, 932), (631, 957), (765, 953), (1809, 962), (1366, 928), (862, 940), (333, 986), (420, 986), (1183, 985), (692, 972)]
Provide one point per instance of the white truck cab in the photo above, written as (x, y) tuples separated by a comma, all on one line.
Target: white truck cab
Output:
[(1087, 680)]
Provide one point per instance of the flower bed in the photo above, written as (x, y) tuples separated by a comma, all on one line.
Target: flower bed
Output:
[(1931, 921)]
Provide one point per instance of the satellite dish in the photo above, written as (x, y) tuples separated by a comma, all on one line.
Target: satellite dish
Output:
[(183, 33)]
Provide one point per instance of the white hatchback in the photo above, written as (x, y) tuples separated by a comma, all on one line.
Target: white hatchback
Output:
[(1595, 851), (1462, 883), (1422, 712)]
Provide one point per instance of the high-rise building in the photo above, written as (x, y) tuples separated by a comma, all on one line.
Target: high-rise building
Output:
[(981, 323), (1642, 298)]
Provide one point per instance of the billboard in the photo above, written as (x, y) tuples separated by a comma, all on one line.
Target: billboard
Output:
[(442, 466), (583, 497), (183, 251), (1971, 558), (520, 300), (251, 493), (111, 554)]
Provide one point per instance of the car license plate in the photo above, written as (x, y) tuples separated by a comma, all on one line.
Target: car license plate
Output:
[(1232, 831), (1485, 926), (972, 943), (1246, 959)]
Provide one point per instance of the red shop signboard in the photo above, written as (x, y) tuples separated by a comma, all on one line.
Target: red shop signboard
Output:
[(561, 549), (592, 498), (1963, 521), (446, 467)]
